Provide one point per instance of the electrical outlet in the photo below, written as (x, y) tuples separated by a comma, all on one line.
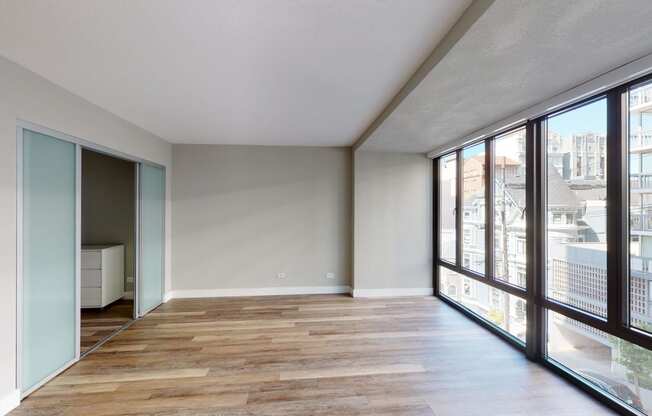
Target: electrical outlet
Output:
[(330, 275), (280, 275)]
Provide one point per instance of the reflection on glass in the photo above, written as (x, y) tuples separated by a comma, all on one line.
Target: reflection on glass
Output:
[(576, 208), (617, 367), (640, 205), (447, 194), (509, 207), (499, 308), (473, 213)]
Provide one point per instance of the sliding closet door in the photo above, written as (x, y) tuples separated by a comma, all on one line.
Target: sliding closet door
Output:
[(152, 237), (48, 282)]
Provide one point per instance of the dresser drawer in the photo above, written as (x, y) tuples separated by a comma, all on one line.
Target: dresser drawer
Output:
[(91, 278), (91, 260), (91, 297)]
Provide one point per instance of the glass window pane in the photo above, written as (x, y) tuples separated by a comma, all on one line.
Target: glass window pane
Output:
[(447, 194), (640, 205), (615, 366), (473, 212), (509, 207), (576, 208), (499, 308)]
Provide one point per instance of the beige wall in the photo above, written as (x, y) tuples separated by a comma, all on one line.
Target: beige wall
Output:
[(392, 223), (26, 96), (242, 214), (109, 205)]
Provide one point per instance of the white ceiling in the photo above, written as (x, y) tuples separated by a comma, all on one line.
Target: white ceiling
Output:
[(517, 54), (290, 72)]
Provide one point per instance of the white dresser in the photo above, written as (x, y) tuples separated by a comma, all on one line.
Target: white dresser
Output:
[(102, 275)]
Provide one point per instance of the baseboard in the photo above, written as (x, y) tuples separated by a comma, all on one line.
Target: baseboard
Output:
[(392, 292), (128, 295), (302, 290), (9, 402), (263, 291), (167, 296)]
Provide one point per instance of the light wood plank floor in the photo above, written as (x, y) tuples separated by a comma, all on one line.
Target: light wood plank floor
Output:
[(98, 324), (307, 355)]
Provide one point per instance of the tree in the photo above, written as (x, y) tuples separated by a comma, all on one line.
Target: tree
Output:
[(496, 316), (637, 360)]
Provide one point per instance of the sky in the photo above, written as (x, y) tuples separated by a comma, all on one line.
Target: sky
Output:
[(473, 150), (590, 118)]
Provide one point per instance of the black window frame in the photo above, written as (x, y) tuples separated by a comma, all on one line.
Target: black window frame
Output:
[(617, 322)]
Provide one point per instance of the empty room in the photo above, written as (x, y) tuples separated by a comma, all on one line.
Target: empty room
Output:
[(325, 207)]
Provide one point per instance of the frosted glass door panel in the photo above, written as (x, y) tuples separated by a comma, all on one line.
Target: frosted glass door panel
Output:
[(49, 315), (152, 217)]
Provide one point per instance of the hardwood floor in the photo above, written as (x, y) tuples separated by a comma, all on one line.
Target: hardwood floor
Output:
[(98, 324), (307, 355)]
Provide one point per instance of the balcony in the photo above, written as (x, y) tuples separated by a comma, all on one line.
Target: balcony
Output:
[(640, 222), (640, 100), (641, 182), (640, 267), (640, 140)]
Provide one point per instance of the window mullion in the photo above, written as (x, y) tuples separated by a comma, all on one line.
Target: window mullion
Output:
[(535, 224), (436, 252), (489, 209), (617, 228), (459, 207)]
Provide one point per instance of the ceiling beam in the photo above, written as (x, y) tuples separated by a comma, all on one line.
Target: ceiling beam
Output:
[(459, 29)]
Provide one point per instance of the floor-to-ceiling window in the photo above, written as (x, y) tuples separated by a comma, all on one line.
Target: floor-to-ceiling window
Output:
[(488, 279), (553, 244)]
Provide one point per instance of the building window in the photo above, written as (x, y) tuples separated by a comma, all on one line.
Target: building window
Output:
[(468, 237), (467, 288), (521, 278), (520, 247)]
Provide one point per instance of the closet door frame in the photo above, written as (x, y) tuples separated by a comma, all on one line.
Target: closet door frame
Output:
[(137, 243), (21, 126)]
